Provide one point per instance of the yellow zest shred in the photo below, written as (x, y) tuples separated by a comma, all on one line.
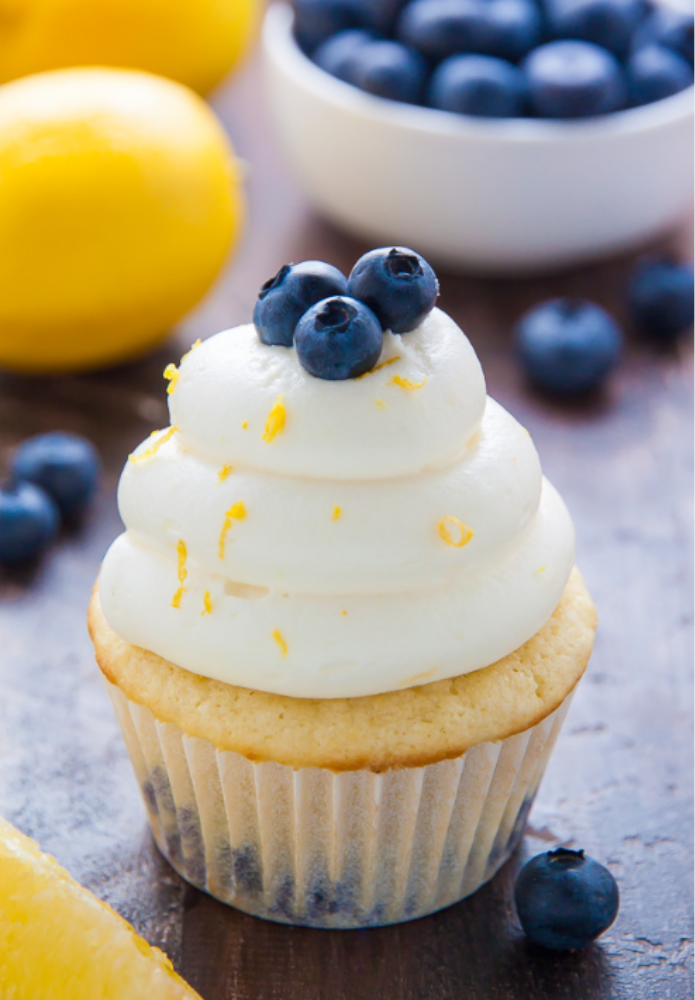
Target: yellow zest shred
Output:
[(275, 424), (153, 449), (405, 383), (172, 375), (245, 425), (382, 364), (344, 613), (237, 512), (224, 472), (182, 573), (207, 604), (381, 405), (192, 348), (277, 635), (337, 513), (465, 533), (541, 569)]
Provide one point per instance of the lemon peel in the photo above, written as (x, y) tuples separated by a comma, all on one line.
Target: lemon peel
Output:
[(224, 473), (275, 424), (207, 604), (237, 512), (465, 533), (182, 554), (153, 449), (277, 635), (382, 364), (337, 513), (405, 383)]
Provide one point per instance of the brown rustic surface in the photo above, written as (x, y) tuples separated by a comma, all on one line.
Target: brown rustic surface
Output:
[(620, 781)]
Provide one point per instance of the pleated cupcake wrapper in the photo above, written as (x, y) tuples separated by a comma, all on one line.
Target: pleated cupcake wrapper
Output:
[(325, 849)]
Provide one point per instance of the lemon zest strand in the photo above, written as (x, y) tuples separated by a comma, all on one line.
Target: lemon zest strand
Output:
[(382, 364), (149, 452), (182, 572), (172, 375), (405, 383), (207, 604), (277, 635), (192, 348), (236, 512), (275, 424), (337, 513), (466, 533), (225, 472), (245, 425), (381, 405)]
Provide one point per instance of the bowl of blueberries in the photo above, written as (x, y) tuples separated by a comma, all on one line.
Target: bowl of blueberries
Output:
[(503, 136)]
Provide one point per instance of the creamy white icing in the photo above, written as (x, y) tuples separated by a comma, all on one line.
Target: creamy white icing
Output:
[(335, 539)]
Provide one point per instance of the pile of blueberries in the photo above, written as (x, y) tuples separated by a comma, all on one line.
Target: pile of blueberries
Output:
[(52, 480), (337, 323), (503, 58)]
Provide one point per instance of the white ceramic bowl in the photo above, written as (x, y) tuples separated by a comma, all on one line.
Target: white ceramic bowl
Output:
[(509, 195)]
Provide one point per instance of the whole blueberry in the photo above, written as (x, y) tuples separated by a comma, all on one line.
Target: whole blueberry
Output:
[(442, 28), (574, 80), (382, 14), (338, 338), (668, 27), (568, 345), (65, 465), (661, 299), (317, 20), (514, 27), (565, 900), (29, 521), (609, 23), (478, 85), (337, 55), (391, 70), (284, 299), (397, 284), (654, 72)]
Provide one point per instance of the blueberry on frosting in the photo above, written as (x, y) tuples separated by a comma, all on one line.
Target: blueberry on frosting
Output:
[(284, 299), (397, 284), (338, 338)]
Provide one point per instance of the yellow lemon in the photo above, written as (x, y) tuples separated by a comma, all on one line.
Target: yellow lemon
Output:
[(193, 41), (59, 942), (120, 198)]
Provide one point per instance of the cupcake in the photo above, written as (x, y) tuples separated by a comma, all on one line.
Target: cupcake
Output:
[(343, 627)]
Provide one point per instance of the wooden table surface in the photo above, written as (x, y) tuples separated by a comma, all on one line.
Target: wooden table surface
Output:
[(620, 781)]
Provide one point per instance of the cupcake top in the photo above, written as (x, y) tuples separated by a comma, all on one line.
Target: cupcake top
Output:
[(343, 516)]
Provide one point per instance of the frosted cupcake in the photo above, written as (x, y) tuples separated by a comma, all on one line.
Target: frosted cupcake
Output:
[(343, 627)]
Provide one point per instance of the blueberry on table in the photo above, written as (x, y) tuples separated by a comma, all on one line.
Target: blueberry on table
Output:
[(568, 345), (338, 339), (514, 27), (337, 55), (565, 900), (609, 23), (478, 85), (391, 70), (654, 72), (397, 284), (574, 80), (284, 299), (661, 299), (317, 20), (29, 521), (441, 28), (668, 27), (65, 465)]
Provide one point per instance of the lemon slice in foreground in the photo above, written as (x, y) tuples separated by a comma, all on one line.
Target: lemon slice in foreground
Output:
[(58, 941)]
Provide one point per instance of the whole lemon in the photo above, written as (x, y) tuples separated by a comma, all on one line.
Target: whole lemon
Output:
[(120, 198), (193, 41)]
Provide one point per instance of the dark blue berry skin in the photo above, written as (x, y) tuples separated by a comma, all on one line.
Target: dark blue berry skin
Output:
[(514, 27), (65, 465), (337, 55), (284, 299), (442, 28), (654, 72), (609, 23), (29, 521), (317, 20), (574, 80), (397, 284), (338, 339), (568, 345), (670, 28), (661, 299), (478, 85), (388, 69), (565, 900)]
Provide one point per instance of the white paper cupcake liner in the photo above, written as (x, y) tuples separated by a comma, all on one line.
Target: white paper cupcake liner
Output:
[(325, 849)]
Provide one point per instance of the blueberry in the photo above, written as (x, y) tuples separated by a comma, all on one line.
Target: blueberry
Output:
[(574, 80), (29, 521), (654, 72), (338, 338), (65, 465), (568, 345), (388, 69), (660, 297), (565, 900), (284, 299), (382, 14), (441, 28), (609, 23), (478, 85), (397, 284), (317, 20), (514, 28), (336, 56), (668, 27)]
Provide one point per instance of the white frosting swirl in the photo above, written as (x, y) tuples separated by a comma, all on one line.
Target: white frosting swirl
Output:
[(336, 539)]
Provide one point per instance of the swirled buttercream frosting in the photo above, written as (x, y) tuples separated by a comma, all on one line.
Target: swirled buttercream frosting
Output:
[(324, 539)]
